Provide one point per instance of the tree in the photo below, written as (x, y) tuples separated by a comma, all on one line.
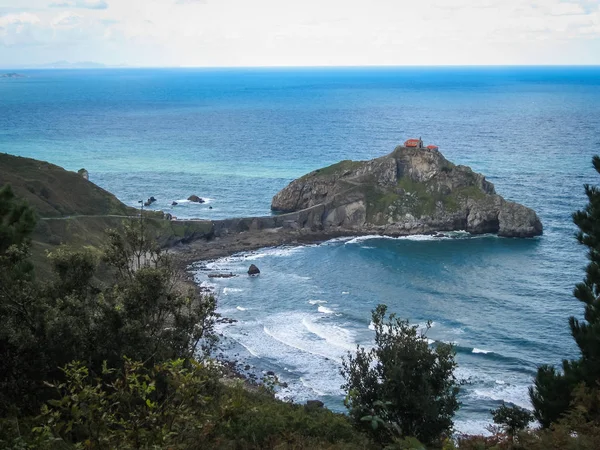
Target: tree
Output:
[(402, 387), (140, 310), (512, 418), (17, 220), (552, 392), (17, 295)]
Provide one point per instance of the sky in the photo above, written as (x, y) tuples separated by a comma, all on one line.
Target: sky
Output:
[(227, 33)]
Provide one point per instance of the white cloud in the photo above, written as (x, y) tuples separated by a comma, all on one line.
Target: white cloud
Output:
[(18, 19), (84, 4), (67, 19), (18, 29), (315, 32)]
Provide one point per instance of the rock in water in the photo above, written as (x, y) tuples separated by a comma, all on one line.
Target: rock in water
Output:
[(195, 199), (253, 270), (409, 191)]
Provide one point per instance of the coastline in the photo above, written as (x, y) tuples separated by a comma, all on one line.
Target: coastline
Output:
[(204, 249)]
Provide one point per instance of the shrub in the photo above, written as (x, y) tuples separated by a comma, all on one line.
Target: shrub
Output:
[(402, 387), (512, 419)]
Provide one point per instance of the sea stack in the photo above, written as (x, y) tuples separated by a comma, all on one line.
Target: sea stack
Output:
[(413, 190)]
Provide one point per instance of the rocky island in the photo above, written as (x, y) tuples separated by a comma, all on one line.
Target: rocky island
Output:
[(409, 191)]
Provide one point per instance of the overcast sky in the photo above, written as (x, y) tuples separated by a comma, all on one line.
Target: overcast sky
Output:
[(300, 32)]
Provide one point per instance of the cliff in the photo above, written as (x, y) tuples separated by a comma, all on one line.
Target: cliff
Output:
[(409, 191)]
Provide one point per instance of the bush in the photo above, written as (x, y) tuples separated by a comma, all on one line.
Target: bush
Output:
[(402, 387), (512, 419), (165, 407)]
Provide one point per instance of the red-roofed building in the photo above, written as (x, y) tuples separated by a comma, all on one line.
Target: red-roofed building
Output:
[(414, 143), (432, 147)]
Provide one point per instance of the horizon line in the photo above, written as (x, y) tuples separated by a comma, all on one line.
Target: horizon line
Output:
[(101, 66)]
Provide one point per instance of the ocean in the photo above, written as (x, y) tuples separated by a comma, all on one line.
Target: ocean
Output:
[(237, 136)]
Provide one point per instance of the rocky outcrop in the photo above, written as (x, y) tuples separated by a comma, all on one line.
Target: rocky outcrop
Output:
[(195, 199), (409, 191), (253, 270)]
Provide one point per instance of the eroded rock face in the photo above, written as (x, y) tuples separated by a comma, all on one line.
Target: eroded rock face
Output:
[(409, 191)]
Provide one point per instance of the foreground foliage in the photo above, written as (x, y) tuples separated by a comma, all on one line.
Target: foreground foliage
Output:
[(402, 387), (553, 391), (124, 364)]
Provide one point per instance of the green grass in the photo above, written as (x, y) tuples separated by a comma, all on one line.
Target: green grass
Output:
[(75, 212), (55, 192), (336, 169), (416, 199)]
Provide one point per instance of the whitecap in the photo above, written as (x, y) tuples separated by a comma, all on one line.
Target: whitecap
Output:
[(317, 302), (359, 239), (332, 334), (472, 427), (338, 240), (275, 251), (240, 308), (207, 200), (227, 290), (247, 347), (345, 293), (226, 262), (478, 350), (308, 386), (324, 310), (515, 394), (290, 338)]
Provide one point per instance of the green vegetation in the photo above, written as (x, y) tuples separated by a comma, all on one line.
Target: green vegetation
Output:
[(416, 199), (54, 192), (126, 362), (336, 169), (512, 419), (402, 387), (72, 211), (552, 393)]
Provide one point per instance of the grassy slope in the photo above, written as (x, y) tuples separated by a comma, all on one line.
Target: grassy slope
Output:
[(74, 211), (56, 192)]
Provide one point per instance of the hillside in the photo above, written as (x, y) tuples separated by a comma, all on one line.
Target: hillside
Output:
[(56, 192), (409, 191), (74, 211)]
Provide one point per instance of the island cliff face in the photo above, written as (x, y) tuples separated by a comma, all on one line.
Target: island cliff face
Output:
[(409, 191)]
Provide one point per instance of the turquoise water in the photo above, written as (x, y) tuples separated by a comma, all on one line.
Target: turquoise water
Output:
[(238, 136)]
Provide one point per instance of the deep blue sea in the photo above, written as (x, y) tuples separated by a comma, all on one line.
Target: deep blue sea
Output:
[(236, 137)]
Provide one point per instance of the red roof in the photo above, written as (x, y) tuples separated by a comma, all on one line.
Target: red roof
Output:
[(432, 147), (412, 143)]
